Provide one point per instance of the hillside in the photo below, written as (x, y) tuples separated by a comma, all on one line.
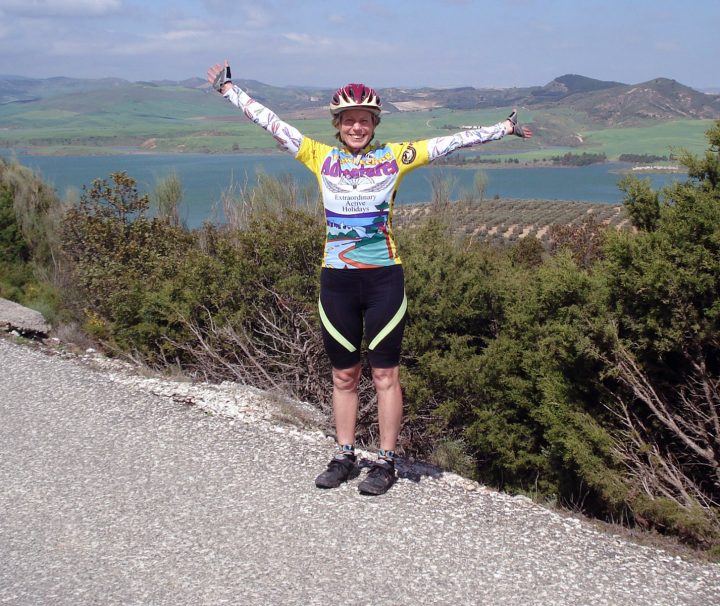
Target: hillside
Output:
[(659, 99), (605, 101), (18, 89), (571, 84), (67, 115)]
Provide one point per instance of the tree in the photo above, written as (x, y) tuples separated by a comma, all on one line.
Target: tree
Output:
[(167, 197), (664, 294), (706, 169), (37, 211), (30, 266), (641, 202), (13, 247), (480, 182), (120, 258), (584, 241)]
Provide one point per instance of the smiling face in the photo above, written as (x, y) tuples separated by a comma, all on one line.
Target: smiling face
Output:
[(357, 127)]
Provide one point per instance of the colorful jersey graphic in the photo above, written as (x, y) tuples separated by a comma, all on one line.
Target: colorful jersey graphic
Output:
[(358, 193), (359, 190)]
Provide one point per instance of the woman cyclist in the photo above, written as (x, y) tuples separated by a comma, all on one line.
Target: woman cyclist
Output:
[(361, 283)]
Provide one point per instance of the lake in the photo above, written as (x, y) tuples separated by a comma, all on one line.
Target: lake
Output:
[(206, 176)]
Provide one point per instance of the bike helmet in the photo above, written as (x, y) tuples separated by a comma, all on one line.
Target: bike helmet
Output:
[(355, 96)]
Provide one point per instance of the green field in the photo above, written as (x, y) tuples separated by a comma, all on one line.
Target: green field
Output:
[(175, 119), (659, 139)]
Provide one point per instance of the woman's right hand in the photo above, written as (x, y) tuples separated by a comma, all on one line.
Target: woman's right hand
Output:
[(219, 77)]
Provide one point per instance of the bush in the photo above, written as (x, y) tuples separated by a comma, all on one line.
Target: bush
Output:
[(13, 247), (584, 242), (247, 303), (553, 375), (30, 265), (498, 357), (221, 302), (121, 259), (663, 288), (527, 252), (167, 197)]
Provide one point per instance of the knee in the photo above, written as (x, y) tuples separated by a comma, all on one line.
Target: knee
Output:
[(386, 379), (347, 379)]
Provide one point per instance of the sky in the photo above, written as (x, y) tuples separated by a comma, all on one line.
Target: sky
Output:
[(406, 43)]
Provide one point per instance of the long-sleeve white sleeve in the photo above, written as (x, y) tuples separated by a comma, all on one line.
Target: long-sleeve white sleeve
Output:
[(442, 146), (285, 134)]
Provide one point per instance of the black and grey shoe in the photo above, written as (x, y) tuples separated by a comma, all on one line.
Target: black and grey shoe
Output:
[(338, 471), (379, 479)]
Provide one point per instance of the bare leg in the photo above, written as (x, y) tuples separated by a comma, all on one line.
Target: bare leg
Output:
[(390, 404), (345, 402)]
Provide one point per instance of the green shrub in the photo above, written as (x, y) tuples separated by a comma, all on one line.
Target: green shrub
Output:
[(500, 354), (167, 196), (663, 296), (13, 247), (527, 252), (515, 362), (120, 260), (222, 302), (453, 455), (29, 259)]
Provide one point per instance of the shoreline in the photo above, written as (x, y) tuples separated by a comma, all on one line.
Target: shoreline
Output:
[(116, 152), (109, 152)]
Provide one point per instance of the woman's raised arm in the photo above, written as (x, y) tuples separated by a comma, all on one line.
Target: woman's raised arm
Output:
[(285, 134)]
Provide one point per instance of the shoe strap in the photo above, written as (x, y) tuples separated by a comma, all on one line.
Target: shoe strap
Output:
[(387, 455), (346, 449)]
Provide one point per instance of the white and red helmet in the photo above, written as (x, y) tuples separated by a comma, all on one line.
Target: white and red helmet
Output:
[(355, 96)]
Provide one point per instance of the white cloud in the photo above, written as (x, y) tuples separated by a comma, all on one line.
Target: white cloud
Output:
[(253, 14), (308, 41), (60, 8), (183, 35), (285, 41)]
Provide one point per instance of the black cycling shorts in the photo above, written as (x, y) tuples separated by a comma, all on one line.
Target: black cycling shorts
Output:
[(351, 298)]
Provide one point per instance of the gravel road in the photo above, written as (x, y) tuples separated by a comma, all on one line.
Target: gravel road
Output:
[(114, 492)]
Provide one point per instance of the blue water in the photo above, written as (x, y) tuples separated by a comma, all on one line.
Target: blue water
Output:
[(205, 177)]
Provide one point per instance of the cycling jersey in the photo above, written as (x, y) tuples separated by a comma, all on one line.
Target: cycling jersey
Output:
[(358, 190)]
